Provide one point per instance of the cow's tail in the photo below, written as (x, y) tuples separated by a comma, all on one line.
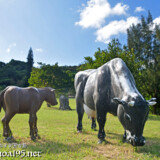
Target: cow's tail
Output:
[(2, 98)]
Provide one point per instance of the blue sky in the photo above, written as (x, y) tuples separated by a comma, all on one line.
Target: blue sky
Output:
[(65, 31)]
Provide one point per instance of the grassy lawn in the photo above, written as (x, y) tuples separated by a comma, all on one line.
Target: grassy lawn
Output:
[(60, 140)]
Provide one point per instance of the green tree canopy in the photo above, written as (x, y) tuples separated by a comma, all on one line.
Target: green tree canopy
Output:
[(60, 78), (144, 40), (12, 73)]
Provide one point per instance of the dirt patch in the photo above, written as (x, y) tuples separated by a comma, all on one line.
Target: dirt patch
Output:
[(110, 151)]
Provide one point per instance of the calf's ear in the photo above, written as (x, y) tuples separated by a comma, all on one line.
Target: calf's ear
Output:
[(52, 90), (119, 101)]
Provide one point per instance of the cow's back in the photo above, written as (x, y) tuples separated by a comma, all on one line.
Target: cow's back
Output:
[(123, 83), (82, 76)]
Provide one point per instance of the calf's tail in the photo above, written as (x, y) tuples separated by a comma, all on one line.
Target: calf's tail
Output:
[(2, 98)]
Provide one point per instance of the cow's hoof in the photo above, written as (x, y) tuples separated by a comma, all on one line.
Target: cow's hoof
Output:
[(9, 139), (94, 129), (79, 131), (93, 126), (100, 141)]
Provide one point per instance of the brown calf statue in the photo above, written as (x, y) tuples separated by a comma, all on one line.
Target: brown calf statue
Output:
[(14, 100)]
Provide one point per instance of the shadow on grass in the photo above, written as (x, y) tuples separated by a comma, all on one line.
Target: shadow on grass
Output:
[(54, 147), (152, 147), (55, 108), (154, 118), (114, 135)]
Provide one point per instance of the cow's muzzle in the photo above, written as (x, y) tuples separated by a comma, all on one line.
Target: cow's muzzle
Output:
[(138, 141)]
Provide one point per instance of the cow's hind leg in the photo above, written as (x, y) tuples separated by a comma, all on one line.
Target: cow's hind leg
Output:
[(32, 120), (93, 126), (6, 129), (80, 112), (79, 106)]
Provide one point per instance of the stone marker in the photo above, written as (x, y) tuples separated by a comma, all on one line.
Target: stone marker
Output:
[(64, 103)]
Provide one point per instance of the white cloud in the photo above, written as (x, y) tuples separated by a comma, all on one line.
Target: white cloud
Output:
[(157, 20), (40, 50), (94, 14), (8, 50), (139, 9), (120, 9), (105, 33)]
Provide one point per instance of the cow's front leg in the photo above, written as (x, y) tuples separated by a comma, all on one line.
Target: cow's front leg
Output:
[(93, 126), (101, 118), (124, 137)]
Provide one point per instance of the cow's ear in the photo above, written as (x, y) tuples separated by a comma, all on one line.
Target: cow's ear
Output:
[(119, 101), (152, 103)]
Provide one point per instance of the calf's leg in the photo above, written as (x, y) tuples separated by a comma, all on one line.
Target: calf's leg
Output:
[(35, 128), (5, 121), (32, 120)]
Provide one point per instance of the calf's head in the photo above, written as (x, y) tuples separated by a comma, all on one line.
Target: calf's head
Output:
[(133, 116), (51, 97)]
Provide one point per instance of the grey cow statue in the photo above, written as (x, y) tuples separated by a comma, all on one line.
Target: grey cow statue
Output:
[(111, 88)]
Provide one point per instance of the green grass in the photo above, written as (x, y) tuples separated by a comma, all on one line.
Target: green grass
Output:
[(60, 140)]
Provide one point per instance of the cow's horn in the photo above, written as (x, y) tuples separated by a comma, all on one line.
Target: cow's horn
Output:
[(131, 103), (151, 103), (152, 99)]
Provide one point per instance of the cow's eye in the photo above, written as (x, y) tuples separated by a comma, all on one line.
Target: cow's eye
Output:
[(127, 117)]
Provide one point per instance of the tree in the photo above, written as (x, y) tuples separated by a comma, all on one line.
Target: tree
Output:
[(144, 39), (12, 73), (30, 63), (59, 77), (114, 50)]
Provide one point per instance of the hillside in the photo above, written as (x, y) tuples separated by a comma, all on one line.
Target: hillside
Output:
[(12, 73)]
